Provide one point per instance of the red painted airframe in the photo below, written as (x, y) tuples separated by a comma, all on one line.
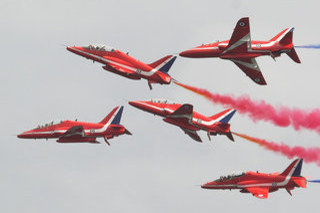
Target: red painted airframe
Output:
[(260, 184), (80, 132), (242, 51), (122, 64), (183, 116)]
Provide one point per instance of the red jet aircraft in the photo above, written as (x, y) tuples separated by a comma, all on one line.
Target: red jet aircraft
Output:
[(242, 51), (122, 64), (79, 132), (183, 116), (260, 184)]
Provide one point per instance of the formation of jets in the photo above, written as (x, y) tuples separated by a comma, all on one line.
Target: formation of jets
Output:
[(239, 49)]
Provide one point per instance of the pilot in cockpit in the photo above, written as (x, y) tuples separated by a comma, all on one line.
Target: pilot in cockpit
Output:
[(100, 48)]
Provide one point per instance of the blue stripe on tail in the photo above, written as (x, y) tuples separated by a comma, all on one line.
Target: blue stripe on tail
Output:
[(117, 118), (167, 66), (226, 119), (297, 171)]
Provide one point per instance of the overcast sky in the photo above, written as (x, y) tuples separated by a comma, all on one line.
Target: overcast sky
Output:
[(159, 168)]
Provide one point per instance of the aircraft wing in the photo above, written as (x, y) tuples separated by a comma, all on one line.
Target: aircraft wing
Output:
[(184, 113), (121, 71), (74, 132), (259, 192), (250, 67), (240, 40), (192, 134)]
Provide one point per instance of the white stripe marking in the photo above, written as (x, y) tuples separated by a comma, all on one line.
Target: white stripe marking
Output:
[(138, 71), (206, 123), (101, 130)]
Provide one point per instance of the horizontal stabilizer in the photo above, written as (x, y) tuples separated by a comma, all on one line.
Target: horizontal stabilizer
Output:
[(293, 55), (230, 136), (127, 132)]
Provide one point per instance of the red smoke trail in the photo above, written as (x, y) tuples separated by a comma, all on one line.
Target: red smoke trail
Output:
[(311, 154), (260, 110)]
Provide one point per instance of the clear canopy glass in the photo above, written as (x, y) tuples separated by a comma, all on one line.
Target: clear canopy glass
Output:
[(162, 101), (100, 48), (229, 177)]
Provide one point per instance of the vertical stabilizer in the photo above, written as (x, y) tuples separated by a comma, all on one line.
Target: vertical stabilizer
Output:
[(114, 116), (285, 37), (117, 117), (164, 64), (225, 116), (294, 169)]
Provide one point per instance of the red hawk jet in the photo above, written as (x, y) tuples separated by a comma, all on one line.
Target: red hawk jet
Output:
[(242, 51), (183, 116), (122, 64), (260, 184), (82, 132)]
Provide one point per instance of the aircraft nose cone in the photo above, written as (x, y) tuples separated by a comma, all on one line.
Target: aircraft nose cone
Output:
[(185, 53), (136, 104), (141, 105), (22, 135), (71, 49), (207, 185)]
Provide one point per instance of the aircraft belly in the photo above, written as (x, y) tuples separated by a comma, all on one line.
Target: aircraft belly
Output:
[(41, 136), (181, 124), (241, 55)]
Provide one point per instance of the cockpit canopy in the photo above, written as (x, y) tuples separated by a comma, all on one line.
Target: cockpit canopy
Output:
[(162, 101), (100, 48), (209, 44), (47, 125), (229, 177)]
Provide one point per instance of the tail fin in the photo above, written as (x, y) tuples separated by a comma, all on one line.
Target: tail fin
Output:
[(285, 38), (224, 116), (294, 169), (114, 116), (164, 64)]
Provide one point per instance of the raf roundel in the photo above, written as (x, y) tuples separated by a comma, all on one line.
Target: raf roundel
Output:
[(257, 80), (242, 24)]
